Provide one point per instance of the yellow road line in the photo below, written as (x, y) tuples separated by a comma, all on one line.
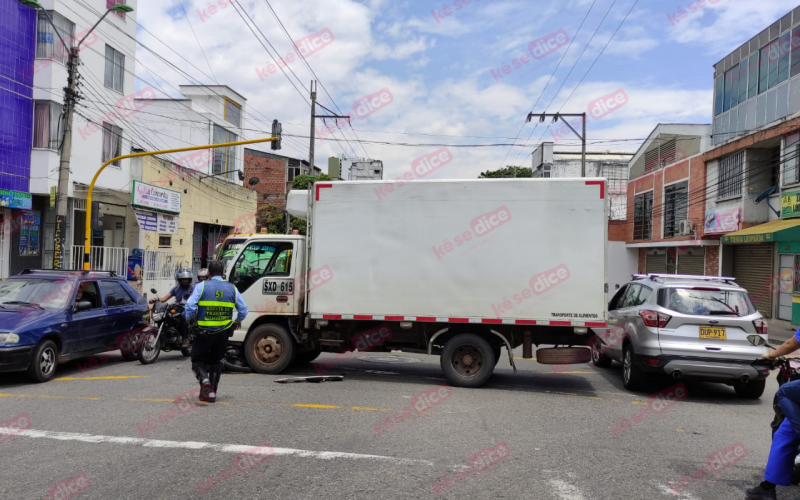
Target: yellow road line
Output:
[(367, 408), (316, 406), (109, 377), (44, 396)]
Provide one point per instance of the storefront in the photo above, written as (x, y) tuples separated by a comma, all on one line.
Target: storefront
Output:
[(764, 262)]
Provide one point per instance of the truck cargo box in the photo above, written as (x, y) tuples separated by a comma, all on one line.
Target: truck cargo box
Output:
[(515, 251)]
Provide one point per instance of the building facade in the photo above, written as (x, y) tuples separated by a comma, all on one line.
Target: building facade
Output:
[(275, 174)]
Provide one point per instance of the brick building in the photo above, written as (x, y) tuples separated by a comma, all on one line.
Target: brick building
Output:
[(275, 175)]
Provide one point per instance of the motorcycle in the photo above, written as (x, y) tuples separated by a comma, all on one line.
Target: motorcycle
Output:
[(788, 371), (167, 317)]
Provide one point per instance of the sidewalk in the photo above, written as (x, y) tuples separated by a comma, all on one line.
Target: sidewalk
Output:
[(780, 332)]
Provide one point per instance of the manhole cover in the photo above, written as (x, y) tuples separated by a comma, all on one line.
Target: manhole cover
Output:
[(389, 358)]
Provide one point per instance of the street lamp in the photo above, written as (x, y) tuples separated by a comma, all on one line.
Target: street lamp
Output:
[(70, 97)]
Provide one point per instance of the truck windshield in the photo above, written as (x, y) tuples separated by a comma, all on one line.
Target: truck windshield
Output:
[(229, 249), (261, 259), (706, 301)]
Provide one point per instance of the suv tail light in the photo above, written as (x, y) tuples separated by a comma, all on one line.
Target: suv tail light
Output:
[(761, 326), (653, 318)]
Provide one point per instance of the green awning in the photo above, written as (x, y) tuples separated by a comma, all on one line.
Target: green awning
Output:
[(770, 232)]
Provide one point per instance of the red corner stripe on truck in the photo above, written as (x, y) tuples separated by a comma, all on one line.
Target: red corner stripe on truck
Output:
[(588, 183), (318, 186)]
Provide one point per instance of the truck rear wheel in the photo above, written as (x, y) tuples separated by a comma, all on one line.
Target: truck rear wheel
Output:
[(269, 349), (467, 360)]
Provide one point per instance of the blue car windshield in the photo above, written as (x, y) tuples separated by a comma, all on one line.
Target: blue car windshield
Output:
[(48, 294)]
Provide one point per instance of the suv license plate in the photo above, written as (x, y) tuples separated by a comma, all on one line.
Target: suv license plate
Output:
[(712, 332)]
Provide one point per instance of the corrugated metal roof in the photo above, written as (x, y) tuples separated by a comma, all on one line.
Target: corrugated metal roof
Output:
[(594, 155)]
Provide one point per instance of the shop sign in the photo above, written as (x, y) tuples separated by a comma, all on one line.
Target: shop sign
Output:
[(155, 197), (790, 204), (52, 197), (748, 238), (156, 222), (29, 233), (721, 220), (15, 199)]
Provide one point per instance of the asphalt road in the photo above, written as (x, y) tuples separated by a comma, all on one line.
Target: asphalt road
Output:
[(538, 434)]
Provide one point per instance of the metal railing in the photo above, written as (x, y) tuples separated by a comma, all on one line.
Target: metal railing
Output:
[(100, 259), (158, 265)]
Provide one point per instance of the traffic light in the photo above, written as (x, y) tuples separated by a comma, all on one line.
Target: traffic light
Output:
[(97, 215), (276, 132)]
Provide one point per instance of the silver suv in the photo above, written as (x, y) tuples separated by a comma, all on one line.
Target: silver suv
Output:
[(685, 327)]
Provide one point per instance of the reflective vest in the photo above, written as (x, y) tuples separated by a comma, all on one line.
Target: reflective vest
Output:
[(216, 305)]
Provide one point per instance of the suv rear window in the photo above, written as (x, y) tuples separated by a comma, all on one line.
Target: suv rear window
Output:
[(702, 301)]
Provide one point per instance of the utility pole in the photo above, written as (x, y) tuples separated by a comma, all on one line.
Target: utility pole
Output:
[(314, 116), (582, 137)]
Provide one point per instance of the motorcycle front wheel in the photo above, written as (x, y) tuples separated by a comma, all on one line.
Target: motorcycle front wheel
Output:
[(149, 349)]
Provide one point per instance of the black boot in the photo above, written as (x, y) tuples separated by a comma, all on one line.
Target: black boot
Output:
[(214, 376), (207, 392), (764, 491)]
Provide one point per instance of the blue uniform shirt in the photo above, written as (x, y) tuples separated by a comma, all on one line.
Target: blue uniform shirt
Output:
[(191, 306)]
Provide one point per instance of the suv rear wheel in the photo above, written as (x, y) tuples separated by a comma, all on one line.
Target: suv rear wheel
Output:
[(632, 377)]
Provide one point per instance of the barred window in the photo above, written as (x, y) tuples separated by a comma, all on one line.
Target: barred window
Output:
[(730, 175), (643, 216), (676, 206)]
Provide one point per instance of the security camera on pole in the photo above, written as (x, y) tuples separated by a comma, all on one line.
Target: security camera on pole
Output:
[(71, 96)]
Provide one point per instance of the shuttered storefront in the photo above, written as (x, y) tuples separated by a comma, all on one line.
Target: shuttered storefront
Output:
[(655, 261), (692, 261), (752, 267)]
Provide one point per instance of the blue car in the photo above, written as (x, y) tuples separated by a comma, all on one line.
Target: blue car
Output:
[(49, 317)]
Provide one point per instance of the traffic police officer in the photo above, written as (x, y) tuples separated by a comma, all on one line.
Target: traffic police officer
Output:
[(213, 302)]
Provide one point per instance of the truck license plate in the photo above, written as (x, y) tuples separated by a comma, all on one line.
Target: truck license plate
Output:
[(712, 332), (279, 287)]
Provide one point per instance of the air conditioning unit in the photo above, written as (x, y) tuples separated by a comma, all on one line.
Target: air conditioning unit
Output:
[(685, 228)]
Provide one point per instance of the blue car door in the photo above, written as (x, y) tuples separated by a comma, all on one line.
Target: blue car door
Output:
[(122, 309), (92, 324)]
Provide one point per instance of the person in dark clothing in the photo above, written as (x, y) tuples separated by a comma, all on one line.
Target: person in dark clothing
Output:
[(182, 291)]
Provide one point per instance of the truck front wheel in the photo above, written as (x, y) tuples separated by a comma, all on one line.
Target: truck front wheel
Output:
[(269, 349), (467, 360)]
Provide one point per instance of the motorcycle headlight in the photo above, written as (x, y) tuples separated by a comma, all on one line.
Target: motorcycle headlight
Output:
[(9, 338), (158, 316)]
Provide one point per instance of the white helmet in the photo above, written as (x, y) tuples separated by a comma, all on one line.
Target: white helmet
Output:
[(203, 273)]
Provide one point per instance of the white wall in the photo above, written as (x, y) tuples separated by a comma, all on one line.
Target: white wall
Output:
[(622, 263)]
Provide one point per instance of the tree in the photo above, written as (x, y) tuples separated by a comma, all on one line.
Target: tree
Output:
[(509, 171), (302, 181), (273, 219)]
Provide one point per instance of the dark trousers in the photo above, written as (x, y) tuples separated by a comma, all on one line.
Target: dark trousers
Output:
[(184, 328), (209, 348)]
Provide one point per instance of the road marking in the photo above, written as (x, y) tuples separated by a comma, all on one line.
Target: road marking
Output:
[(298, 405), (109, 377), (44, 396), (367, 408), (224, 448), (566, 491)]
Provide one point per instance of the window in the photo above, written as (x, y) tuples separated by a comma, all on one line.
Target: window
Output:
[(718, 94), (730, 175), (763, 70), (617, 299), (50, 45), (795, 44), (706, 302), (292, 172), (233, 112), (630, 296), (18, 293), (261, 259), (115, 69), (742, 83), (46, 124), (752, 81), (773, 50), (224, 158), (116, 296), (111, 3), (792, 173), (644, 294), (733, 76), (88, 292), (783, 51), (112, 142), (726, 103), (164, 241), (676, 206), (643, 216)]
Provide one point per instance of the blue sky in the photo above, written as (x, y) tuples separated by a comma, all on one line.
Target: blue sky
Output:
[(438, 69)]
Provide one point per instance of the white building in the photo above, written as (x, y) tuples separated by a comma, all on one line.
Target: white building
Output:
[(365, 170), (102, 124)]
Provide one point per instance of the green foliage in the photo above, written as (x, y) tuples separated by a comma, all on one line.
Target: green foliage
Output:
[(509, 171), (302, 181), (273, 218)]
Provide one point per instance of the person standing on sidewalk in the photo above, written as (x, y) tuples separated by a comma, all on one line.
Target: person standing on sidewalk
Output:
[(211, 305)]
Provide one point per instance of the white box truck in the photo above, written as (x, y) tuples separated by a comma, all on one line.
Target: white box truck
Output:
[(458, 268)]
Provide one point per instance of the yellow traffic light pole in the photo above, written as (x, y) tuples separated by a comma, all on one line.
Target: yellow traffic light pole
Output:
[(88, 233)]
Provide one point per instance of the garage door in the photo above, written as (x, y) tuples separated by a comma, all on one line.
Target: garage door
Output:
[(752, 267), (692, 261), (655, 261)]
